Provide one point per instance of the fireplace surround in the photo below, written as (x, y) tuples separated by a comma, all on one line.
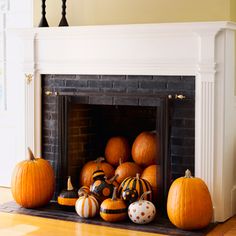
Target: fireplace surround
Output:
[(204, 50)]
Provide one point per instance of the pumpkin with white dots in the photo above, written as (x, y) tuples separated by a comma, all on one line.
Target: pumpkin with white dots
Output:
[(87, 206), (142, 211)]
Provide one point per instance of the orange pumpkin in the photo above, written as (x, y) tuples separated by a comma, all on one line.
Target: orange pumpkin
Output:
[(152, 174), (117, 148), (127, 169), (189, 204), (86, 174), (32, 182), (146, 148), (113, 209)]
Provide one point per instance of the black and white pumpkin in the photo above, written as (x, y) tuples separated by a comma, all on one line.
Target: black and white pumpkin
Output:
[(132, 188), (87, 206), (142, 211), (68, 197)]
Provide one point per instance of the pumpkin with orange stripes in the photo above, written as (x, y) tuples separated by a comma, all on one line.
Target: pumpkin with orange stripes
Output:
[(132, 188), (87, 206)]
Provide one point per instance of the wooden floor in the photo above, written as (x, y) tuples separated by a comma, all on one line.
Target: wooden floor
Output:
[(22, 225)]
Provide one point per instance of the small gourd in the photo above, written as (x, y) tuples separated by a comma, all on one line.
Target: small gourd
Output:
[(84, 190), (142, 211), (101, 188), (132, 188), (87, 206), (68, 197), (113, 209)]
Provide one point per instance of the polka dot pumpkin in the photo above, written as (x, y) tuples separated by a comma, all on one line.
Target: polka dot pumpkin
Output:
[(142, 211)]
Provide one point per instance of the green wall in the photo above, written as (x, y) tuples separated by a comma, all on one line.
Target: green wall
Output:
[(93, 12)]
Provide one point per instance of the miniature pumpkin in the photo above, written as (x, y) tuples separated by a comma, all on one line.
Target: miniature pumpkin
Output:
[(101, 188), (87, 206), (69, 196), (146, 148), (135, 184), (86, 174), (152, 174), (117, 148), (113, 209), (142, 211), (84, 190), (127, 169), (33, 182), (189, 204)]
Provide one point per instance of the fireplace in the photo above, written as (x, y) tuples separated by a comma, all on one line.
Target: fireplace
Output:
[(80, 113), (204, 52)]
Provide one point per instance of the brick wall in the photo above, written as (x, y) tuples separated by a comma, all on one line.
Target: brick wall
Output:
[(123, 90)]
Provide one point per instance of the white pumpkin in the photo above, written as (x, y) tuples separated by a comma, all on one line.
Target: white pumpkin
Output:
[(142, 211), (87, 206)]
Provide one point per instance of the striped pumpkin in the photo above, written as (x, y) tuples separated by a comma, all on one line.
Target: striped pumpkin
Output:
[(87, 206), (113, 209), (132, 188)]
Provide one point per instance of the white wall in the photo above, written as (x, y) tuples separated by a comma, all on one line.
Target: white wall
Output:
[(13, 14)]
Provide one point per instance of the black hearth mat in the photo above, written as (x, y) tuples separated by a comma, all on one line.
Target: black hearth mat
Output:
[(54, 211)]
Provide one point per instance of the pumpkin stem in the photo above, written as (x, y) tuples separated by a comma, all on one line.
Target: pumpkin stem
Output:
[(144, 194), (98, 161), (137, 175), (69, 184), (188, 174), (30, 155), (114, 197), (120, 161), (114, 178)]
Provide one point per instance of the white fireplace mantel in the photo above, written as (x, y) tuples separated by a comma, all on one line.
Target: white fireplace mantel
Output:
[(205, 50)]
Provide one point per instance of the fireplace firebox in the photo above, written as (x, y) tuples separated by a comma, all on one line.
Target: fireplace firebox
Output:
[(81, 112)]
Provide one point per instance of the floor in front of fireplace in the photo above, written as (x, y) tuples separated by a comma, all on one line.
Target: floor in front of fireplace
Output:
[(20, 225)]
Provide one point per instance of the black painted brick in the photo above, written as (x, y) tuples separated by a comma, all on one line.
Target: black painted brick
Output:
[(140, 77), (125, 101), (125, 84), (76, 83), (113, 77), (155, 85), (105, 100), (99, 83)]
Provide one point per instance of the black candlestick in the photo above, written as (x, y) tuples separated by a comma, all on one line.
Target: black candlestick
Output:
[(63, 21), (43, 21)]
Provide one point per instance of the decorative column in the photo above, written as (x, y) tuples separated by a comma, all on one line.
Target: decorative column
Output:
[(205, 105)]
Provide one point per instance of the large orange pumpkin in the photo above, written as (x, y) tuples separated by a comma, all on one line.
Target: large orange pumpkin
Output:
[(146, 148), (189, 204), (127, 169), (32, 182), (117, 149), (86, 174), (152, 174)]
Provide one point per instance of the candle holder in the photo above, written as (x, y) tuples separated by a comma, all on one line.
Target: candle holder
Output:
[(43, 22), (63, 21)]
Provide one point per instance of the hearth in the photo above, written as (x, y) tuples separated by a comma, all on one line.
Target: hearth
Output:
[(81, 112)]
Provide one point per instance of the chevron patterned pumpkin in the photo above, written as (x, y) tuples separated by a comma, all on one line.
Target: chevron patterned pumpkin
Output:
[(132, 188), (87, 206)]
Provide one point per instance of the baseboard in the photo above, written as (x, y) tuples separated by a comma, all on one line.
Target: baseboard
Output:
[(233, 200)]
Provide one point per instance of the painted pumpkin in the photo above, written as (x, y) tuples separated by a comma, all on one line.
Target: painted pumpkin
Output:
[(117, 148), (146, 148), (153, 175), (189, 204), (86, 174), (127, 169), (113, 209), (142, 211), (83, 190), (69, 196), (87, 206), (33, 182), (131, 185)]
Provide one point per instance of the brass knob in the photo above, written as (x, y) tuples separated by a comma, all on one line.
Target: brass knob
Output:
[(48, 93), (180, 96)]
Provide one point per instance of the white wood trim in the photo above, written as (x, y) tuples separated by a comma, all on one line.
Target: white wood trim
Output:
[(204, 50)]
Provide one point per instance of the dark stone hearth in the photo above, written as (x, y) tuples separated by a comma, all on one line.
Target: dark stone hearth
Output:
[(160, 225)]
